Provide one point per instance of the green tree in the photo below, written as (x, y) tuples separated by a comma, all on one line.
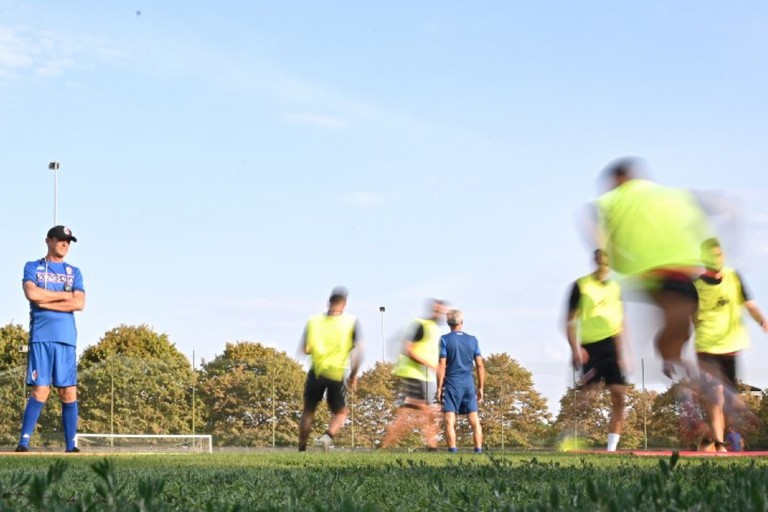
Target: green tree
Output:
[(513, 413), (135, 381), (253, 394), (14, 340)]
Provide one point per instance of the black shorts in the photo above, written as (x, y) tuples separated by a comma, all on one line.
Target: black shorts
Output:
[(603, 364), (717, 369), (315, 387), (419, 390), (677, 282)]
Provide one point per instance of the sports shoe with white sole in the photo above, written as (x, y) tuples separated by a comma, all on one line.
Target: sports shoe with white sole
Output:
[(325, 441)]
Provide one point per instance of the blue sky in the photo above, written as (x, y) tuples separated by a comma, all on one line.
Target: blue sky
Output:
[(225, 164)]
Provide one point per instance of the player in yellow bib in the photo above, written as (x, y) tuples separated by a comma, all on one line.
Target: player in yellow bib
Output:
[(720, 336), (594, 326), (653, 234), (416, 369), (331, 340)]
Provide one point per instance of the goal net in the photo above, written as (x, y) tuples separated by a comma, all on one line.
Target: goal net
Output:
[(144, 443)]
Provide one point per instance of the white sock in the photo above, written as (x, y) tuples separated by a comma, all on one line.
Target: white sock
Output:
[(613, 442)]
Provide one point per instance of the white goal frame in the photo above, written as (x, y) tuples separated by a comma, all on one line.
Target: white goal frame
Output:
[(206, 439)]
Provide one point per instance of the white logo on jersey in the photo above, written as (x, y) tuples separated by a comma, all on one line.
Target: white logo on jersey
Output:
[(67, 280)]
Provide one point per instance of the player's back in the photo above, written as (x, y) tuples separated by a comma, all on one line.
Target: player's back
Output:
[(459, 350)]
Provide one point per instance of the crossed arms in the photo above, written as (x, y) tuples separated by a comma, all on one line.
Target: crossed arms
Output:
[(65, 302)]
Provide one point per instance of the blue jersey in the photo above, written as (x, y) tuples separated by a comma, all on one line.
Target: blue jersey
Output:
[(44, 324), (459, 350)]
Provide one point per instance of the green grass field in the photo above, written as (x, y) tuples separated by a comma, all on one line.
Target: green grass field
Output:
[(380, 481)]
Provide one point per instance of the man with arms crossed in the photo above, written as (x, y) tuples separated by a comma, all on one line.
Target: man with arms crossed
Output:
[(455, 385), (595, 309), (55, 291), (720, 336), (331, 339)]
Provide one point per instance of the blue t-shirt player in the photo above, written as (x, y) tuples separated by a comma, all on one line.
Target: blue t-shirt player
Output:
[(55, 291), (459, 353)]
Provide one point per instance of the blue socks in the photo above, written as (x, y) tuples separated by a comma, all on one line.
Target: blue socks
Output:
[(453, 450), (69, 423), (31, 415)]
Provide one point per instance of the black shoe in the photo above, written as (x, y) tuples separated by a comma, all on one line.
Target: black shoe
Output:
[(73, 450), (22, 449)]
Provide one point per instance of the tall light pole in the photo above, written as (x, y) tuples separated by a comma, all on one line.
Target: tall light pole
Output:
[(382, 309), (54, 166)]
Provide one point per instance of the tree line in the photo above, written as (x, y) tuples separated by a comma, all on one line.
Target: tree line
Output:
[(135, 381)]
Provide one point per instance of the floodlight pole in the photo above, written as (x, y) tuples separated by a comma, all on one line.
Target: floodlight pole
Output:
[(54, 166), (382, 309)]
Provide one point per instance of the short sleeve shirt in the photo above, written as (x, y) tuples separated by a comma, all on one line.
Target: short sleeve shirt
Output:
[(46, 325), (459, 350)]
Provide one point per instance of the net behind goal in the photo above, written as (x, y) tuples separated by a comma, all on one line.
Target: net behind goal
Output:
[(144, 443)]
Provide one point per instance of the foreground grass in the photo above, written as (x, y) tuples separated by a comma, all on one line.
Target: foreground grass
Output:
[(381, 481)]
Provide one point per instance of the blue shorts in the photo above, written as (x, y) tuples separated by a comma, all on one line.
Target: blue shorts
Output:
[(459, 399), (52, 364)]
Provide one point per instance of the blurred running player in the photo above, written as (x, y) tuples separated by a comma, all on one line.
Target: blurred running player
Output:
[(416, 369), (332, 340), (720, 336), (652, 233)]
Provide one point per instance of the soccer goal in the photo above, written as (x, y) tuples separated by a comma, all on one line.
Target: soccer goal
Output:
[(144, 443)]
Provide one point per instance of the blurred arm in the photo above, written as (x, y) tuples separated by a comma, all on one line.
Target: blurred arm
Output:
[(440, 378), (756, 315)]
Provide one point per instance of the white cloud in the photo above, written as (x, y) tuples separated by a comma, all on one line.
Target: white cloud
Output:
[(15, 51), (317, 120), (364, 199), (46, 53)]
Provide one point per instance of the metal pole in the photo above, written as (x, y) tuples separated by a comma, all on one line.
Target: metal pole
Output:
[(645, 405), (194, 384), (382, 309), (501, 403), (54, 166), (274, 419), (112, 404), (23, 349), (576, 419), (352, 417)]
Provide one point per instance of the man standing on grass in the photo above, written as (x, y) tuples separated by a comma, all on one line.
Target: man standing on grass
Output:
[(55, 291), (459, 351), (331, 339), (720, 336), (594, 326)]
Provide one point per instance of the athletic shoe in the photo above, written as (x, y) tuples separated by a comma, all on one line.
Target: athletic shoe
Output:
[(22, 449), (706, 445), (73, 450), (325, 441)]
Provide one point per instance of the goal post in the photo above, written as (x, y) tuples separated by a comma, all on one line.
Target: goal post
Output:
[(145, 443)]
